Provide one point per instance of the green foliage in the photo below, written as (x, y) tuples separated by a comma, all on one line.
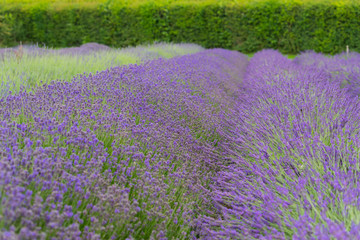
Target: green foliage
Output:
[(290, 26), (293, 27), (5, 28)]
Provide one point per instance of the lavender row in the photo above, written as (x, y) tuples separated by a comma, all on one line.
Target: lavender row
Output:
[(126, 153), (294, 158), (84, 49), (143, 52), (30, 66), (344, 68)]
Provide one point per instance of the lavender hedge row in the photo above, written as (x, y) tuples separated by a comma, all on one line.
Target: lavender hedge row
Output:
[(344, 68), (127, 153), (31, 65), (181, 149), (294, 171)]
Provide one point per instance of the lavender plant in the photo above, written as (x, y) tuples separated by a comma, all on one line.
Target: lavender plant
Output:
[(125, 153), (344, 68), (294, 163)]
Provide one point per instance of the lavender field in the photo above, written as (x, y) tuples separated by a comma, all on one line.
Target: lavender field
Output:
[(207, 145), (30, 65)]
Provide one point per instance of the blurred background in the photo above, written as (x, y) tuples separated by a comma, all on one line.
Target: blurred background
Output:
[(290, 26)]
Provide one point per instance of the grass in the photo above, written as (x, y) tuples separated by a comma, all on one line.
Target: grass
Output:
[(289, 56)]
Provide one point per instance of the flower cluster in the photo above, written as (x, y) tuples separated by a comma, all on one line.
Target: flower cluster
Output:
[(294, 171), (344, 68), (125, 153)]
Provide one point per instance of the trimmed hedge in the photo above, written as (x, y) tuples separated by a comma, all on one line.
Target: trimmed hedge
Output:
[(289, 26)]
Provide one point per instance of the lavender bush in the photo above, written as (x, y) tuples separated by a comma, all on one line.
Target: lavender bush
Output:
[(126, 153), (294, 163), (344, 68)]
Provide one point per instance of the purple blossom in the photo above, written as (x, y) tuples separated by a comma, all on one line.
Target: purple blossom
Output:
[(289, 175), (111, 154)]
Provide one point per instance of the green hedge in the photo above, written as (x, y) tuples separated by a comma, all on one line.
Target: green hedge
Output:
[(289, 26)]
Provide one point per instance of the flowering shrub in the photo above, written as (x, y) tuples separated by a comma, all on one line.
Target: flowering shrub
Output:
[(126, 153), (294, 171), (344, 68)]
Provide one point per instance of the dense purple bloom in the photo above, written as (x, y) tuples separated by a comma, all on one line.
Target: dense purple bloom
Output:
[(294, 165), (183, 148), (343, 68), (124, 153)]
